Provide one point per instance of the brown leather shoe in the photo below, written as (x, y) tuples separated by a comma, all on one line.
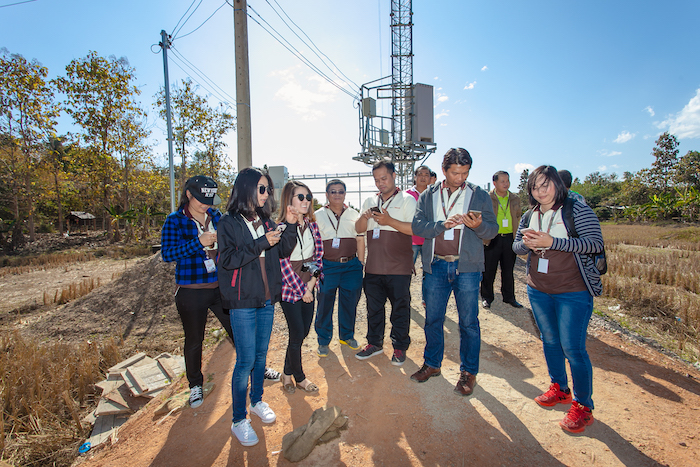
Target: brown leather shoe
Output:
[(466, 383), (425, 373)]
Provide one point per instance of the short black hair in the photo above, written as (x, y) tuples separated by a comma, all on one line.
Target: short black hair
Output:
[(459, 156), (566, 177), (384, 163), (550, 175), (415, 172), (335, 181), (244, 194), (433, 174), (499, 173)]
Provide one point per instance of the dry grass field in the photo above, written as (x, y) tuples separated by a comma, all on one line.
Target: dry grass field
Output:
[(654, 275)]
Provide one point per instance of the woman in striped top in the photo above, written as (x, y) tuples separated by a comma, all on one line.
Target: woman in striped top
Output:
[(561, 284)]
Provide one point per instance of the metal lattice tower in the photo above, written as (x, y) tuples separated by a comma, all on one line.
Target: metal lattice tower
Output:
[(395, 142)]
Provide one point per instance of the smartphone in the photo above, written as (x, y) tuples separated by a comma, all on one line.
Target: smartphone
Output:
[(526, 230), (476, 213), (280, 228), (375, 209)]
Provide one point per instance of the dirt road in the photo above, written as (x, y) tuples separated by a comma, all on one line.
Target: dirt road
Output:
[(647, 406)]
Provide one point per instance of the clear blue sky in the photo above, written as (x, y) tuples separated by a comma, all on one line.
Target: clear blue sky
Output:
[(586, 86)]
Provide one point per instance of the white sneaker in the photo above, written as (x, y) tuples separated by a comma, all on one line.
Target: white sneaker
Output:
[(244, 432), (262, 410), (196, 397), (272, 375)]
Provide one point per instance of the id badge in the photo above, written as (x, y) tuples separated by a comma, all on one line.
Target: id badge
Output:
[(505, 222), (375, 233), (210, 265), (543, 265), (449, 235), (336, 243)]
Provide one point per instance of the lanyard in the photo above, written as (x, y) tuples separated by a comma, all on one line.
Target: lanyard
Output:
[(505, 210), (380, 203), (551, 220), (442, 198), (337, 217)]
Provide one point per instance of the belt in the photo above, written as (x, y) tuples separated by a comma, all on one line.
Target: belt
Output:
[(342, 259), (448, 258), (504, 235)]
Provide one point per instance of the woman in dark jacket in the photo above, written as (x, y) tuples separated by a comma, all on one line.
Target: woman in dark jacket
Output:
[(561, 283), (250, 247)]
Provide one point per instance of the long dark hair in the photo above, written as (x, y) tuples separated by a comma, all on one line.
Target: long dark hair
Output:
[(244, 195), (286, 200), (550, 175)]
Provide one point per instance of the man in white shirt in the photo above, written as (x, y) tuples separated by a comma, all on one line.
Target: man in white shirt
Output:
[(343, 255), (386, 217)]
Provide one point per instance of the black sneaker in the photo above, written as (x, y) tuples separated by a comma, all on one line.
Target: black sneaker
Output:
[(196, 397), (368, 351), (399, 357), (272, 375)]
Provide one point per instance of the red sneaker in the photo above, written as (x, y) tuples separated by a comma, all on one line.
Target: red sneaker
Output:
[(553, 397), (577, 418)]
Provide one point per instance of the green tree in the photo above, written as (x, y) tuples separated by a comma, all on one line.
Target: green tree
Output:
[(522, 189), (27, 117), (688, 171), (217, 123), (100, 95), (662, 173), (189, 114)]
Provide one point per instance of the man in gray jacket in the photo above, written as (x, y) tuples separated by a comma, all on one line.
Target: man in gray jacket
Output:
[(454, 217)]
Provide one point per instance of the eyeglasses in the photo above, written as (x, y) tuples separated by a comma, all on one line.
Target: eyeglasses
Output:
[(543, 187), (301, 197), (263, 188), (336, 192)]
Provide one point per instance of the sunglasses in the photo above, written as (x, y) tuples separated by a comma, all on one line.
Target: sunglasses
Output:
[(263, 188), (336, 192), (301, 197)]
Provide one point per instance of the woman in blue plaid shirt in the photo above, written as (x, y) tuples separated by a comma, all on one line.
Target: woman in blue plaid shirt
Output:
[(189, 237)]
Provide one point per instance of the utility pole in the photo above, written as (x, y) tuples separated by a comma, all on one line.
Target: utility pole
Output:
[(240, 21), (165, 45)]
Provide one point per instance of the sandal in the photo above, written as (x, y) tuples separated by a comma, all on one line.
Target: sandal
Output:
[(310, 387), (287, 384)]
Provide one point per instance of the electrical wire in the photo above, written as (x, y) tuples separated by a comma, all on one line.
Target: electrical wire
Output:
[(203, 75), (344, 78), (293, 50), (194, 76), (210, 17), (18, 3), (183, 15), (175, 33)]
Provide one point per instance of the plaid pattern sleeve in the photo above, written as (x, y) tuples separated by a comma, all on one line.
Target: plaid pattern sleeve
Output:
[(293, 288), (180, 242)]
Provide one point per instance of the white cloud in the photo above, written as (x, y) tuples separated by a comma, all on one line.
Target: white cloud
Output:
[(305, 95), (686, 123), (624, 137), (444, 113), (436, 78), (650, 110), (470, 85), (442, 98), (602, 168), (521, 166), (484, 68), (606, 153)]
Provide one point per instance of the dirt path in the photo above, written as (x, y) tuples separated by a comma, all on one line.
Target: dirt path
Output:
[(647, 406)]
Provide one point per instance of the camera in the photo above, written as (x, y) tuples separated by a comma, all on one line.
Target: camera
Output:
[(312, 268)]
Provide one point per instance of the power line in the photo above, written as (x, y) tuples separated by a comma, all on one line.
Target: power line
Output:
[(183, 15), (18, 3), (210, 17), (203, 75), (298, 54), (312, 43), (188, 18), (204, 85)]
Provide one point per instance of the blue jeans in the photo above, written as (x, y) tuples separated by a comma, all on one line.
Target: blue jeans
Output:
[(444, 280), (563, 321), (251, 330), (416, 251), (346, 278)]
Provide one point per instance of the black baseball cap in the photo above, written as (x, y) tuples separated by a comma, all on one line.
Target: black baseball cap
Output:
[(204, 189)]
